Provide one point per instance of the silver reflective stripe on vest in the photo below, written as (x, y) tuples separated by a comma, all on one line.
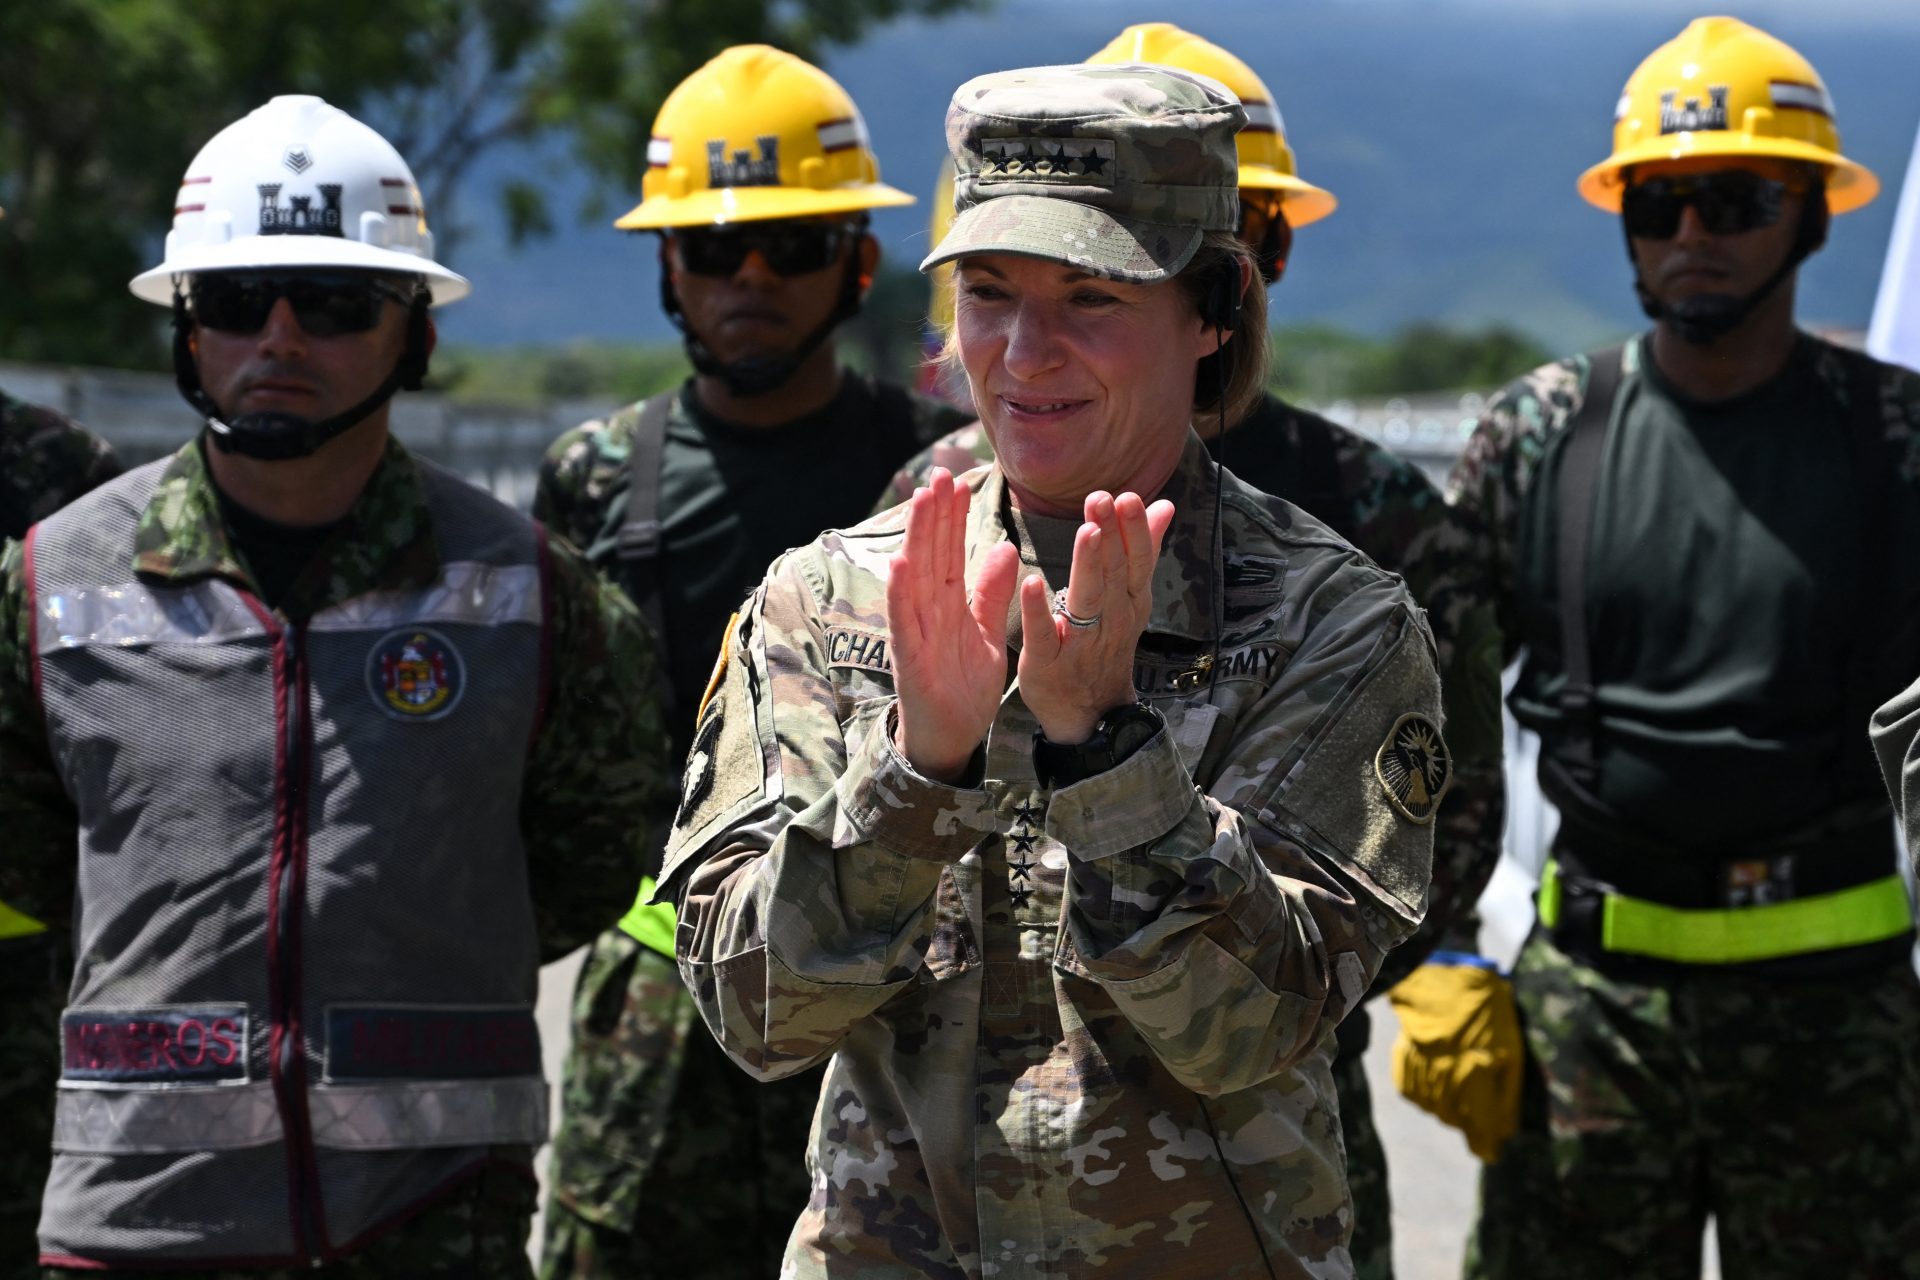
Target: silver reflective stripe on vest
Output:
[(486, 595), (207, 613), (170, 1118), (430, 1113)]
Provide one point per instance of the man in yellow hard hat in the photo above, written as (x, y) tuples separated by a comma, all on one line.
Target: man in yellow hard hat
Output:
[(1692, 535), (669, 1161), (1387, 508)]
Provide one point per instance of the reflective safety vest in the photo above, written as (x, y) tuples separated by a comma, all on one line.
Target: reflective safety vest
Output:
[(17, 924), (305, 957), (652, 926)]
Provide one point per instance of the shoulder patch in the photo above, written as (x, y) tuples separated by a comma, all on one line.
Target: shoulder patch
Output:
[(1414, 767), (719, 665), (697, 783)]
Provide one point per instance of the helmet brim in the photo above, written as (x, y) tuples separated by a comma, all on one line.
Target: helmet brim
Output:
[(1302, 201), (1849, 184), (291, 253), (718, 206)]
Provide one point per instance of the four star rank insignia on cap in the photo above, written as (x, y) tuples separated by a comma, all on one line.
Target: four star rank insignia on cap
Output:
[(1082, 160)]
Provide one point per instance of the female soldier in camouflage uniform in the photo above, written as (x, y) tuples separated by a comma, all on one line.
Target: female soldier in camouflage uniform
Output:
[(1076, 942)]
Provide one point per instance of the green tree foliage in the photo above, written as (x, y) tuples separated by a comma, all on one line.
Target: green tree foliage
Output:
[(1321, 363), (606, 374), (103, 103)]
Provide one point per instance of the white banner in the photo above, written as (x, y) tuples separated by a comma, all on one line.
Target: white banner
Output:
[(1895, 332)]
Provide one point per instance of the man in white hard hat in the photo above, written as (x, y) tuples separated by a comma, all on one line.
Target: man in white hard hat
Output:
[(344, 747)]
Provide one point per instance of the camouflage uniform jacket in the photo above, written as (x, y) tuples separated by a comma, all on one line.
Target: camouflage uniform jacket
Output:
[(46, 461), (592, 775), (1056, 1015), (1386, 507)]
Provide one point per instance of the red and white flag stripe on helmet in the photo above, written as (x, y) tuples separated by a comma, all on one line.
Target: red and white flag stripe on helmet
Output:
[(1802, 97), (1262, 117), (843, 134)]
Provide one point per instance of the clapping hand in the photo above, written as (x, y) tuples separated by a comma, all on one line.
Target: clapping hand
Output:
[(949, 644)]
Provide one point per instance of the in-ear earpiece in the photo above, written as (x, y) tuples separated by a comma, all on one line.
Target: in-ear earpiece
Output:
[(1222, 297)]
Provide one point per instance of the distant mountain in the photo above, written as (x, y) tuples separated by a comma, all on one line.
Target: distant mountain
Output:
[(1451, 132)]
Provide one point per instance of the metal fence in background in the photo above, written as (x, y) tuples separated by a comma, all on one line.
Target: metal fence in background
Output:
[(499, 448)]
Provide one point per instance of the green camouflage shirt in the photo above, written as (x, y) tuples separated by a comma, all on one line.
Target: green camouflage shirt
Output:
[(1726, 583), (731, 498), (1056, 1015), (46, 461), (1386, 507), (592, 777)]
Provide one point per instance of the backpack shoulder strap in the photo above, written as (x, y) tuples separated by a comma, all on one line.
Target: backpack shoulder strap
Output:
[(638, 546), (1576, 488)]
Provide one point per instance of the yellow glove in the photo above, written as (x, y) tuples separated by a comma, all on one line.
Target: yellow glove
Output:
[(1459, 1052)]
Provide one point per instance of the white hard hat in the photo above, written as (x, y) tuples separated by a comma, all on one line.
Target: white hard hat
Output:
[(298, 183)]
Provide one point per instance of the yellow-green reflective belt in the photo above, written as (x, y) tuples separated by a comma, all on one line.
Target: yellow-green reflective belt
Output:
[(16, 924), (650, 926), (1870, 912)]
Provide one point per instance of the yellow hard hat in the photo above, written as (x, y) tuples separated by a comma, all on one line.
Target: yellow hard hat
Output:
[(1723, 88), (1266, 161), (756, 134), (940, 308)]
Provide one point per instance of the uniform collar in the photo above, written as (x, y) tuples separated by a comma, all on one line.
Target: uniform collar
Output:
[(386, 541), (1186, 601)]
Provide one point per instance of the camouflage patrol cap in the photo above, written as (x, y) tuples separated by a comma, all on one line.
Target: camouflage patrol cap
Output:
[(1117, 170)]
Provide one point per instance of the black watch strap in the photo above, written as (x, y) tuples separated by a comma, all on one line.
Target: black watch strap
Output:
[(1118, 734)]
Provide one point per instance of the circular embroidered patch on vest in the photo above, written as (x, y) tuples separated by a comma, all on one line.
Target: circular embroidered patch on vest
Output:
[(415, 674), (1414, 768)]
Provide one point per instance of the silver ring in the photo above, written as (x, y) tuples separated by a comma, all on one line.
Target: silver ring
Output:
[(1060, 610)]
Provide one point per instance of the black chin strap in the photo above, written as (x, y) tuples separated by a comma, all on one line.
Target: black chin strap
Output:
[(276, 437), (759, 375), (1707, 317)]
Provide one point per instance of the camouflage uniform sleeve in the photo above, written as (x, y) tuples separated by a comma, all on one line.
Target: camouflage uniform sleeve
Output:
[(1491, 479), (598, 773), (568, 497), (1896, 739), (101, 465), (958, 451), (804, 860), (1234, 928), (1447, 575), (41, 858)]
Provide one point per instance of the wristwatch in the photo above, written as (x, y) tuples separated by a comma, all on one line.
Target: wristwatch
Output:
[(1120, 732)]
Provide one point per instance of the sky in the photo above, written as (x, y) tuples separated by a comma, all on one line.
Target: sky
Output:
[(1451, 129)]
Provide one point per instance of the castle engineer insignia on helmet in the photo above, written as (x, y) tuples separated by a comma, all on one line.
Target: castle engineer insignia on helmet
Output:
[(1414, 767), (415, 674), (1689, 116)]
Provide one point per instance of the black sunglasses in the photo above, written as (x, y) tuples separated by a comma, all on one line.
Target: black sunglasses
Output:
[(790, 248), (1728, 202), (326, 303)]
